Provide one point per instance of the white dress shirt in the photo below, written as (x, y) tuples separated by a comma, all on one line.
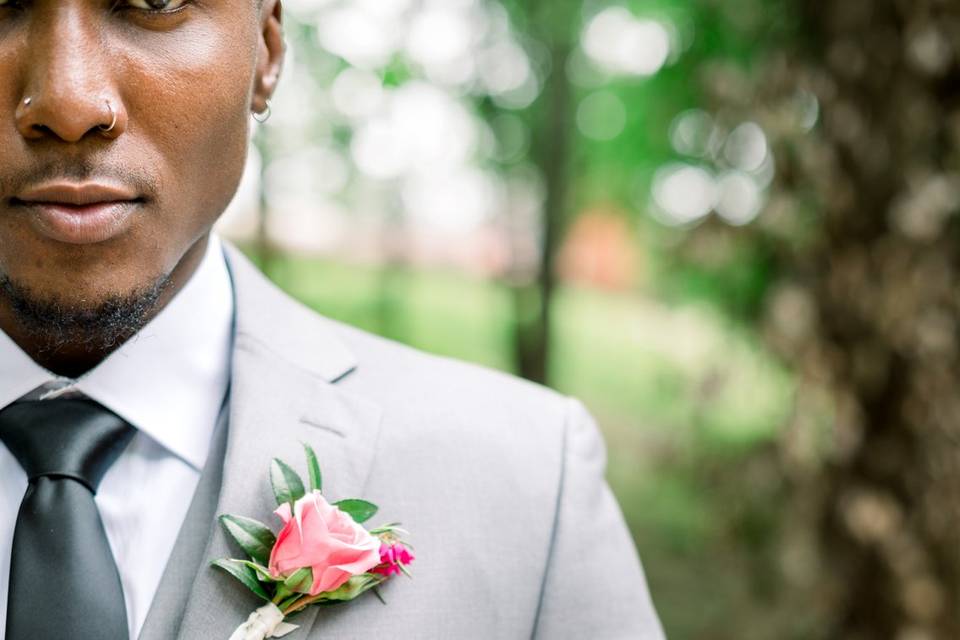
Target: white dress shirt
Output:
[(169, 381)]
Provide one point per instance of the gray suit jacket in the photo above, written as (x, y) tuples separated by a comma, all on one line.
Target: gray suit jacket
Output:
[(499, 481)]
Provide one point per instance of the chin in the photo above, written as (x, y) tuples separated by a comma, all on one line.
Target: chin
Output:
[(71, 315), (86, 275)]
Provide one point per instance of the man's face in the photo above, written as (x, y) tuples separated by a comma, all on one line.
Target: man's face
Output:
[(88, 215)]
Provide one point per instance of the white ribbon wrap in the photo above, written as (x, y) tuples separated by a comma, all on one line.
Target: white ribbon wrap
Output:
[(265, 622)]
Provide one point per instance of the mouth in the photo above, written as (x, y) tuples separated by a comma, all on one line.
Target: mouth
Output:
[(74, 213)]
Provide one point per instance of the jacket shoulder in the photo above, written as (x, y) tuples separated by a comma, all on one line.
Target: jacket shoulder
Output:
[(449, 393)]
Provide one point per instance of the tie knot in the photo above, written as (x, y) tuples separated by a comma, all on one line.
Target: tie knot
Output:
[(74, 438)]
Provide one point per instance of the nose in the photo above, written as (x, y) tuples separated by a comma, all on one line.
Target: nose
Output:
[(70, 93)]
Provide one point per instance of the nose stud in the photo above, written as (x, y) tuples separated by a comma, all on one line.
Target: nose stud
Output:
[(27, 101), (113, 121)]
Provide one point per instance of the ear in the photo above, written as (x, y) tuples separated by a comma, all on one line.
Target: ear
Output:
[(269, 54)]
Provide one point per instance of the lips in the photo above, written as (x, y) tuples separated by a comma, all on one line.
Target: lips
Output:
[(75, 213)]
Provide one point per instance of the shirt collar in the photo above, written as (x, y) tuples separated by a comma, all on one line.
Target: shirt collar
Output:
[(170, 379)]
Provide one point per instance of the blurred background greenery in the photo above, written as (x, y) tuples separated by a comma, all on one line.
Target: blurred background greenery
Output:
[(727, 226)]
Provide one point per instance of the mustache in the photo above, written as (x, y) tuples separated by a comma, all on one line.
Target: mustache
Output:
[(17, 179)]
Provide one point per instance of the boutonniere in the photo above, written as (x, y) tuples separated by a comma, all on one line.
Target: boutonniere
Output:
[(322, 555)]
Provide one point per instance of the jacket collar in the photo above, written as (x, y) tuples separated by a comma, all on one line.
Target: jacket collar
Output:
[(282, 326)]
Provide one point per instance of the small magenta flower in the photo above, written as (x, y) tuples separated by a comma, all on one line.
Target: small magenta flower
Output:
[(393, 556)]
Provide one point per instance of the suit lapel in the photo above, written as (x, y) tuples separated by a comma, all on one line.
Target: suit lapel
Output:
[(286, 361)]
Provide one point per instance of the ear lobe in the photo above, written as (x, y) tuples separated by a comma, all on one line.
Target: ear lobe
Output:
[(269, 55)]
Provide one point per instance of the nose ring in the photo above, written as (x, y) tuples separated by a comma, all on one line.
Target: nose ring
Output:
[(113, 121)]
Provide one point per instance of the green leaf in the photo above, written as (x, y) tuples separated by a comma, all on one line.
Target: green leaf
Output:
[(313, 466), (263, 573), (354, 587), (386, 528), (247, 576), (359, 510), (255, 538), (288, 602), (300, 581), (282, 593), (287, 485)]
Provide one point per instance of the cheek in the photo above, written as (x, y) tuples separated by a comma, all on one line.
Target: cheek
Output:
[(193, 111)]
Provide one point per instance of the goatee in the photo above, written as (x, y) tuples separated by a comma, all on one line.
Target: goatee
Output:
[(56, 324)]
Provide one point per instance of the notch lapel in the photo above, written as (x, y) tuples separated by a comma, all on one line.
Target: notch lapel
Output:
[(286, 361)]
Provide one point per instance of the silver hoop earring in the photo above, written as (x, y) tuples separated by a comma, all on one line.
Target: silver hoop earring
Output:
[(113, 121), (265, 115)]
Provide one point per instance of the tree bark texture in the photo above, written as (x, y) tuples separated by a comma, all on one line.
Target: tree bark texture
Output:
[(867, 309)]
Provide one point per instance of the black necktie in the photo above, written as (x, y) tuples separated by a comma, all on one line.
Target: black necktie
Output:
[(63, 578)]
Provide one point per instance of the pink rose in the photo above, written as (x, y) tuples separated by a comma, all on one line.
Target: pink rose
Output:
[(324, 538)]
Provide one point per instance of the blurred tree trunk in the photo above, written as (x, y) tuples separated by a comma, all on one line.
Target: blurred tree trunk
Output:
[(552, 135), (869, 310), (263, 247), (390, 287), (532, 302)]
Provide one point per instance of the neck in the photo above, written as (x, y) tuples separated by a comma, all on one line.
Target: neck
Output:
[(72, 353)]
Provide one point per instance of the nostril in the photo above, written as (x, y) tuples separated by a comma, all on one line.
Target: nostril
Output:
[(70, 121)]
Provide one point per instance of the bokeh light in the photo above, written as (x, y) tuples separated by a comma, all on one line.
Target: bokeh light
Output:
[(621, 43)]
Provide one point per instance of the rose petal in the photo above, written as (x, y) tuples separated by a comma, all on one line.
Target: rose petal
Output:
[(324, 538)]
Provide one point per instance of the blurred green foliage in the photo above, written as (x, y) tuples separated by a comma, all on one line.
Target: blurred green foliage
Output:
[(689, 399)]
